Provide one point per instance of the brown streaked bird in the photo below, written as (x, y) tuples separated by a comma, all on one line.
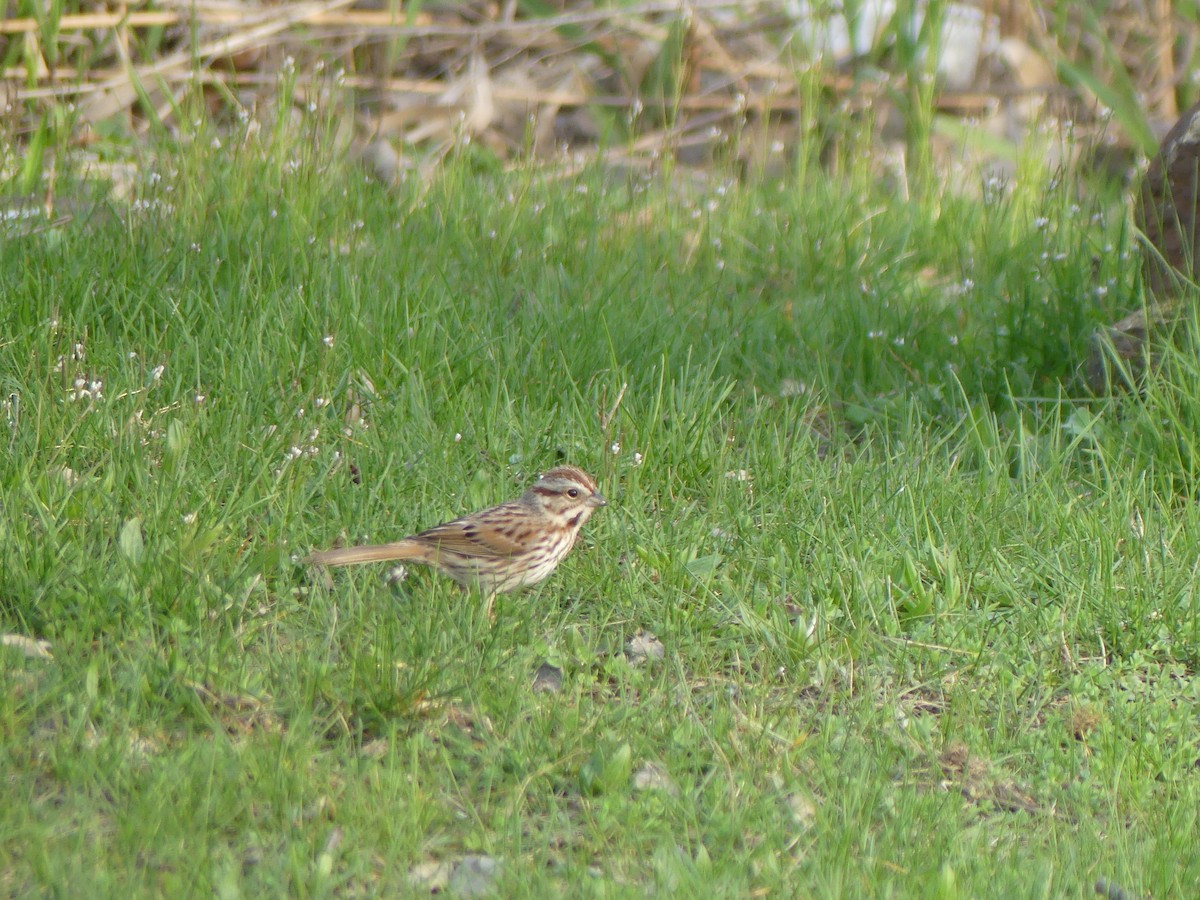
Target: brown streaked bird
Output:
[(501, 549)]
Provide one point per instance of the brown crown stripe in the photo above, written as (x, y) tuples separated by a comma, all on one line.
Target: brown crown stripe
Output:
[(570, 473)]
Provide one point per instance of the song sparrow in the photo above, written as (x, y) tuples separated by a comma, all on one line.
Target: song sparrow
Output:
[(501, 549)]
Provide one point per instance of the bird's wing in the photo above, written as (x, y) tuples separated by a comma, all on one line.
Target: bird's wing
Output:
[(488, 537)]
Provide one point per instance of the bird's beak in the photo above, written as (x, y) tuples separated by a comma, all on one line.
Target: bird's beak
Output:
[(597, 500)]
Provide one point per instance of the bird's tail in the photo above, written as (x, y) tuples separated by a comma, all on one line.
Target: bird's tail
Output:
[(347, 556)]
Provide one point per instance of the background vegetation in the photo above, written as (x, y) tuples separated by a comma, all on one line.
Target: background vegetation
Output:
[(883, 603)]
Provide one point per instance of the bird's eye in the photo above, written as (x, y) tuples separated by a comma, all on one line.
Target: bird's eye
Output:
[(573, 493)]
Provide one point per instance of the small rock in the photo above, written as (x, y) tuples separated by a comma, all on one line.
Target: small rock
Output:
[(432, 876), (376, 749), (653, 776), (1111, 890), (474, 876), (803, 810), (547, 679), (644, 646), (790, 387)]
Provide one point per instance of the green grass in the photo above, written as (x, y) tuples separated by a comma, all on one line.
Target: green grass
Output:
[(939, 639)]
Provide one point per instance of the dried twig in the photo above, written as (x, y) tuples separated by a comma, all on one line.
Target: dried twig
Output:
[(119, 92), (607, 417)]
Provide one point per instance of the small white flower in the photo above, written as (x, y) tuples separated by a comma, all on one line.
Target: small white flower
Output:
[(189, 518), (327, 340), (637, 458), (615, 448)]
